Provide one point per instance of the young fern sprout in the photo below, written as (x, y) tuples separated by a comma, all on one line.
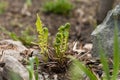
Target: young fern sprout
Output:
[(28, 2), (61, 40), (42, 36), (60, 43)]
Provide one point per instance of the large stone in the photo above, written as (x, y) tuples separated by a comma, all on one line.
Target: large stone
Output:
[(12, 48), (104, 33), (11, 52), (14, 70)]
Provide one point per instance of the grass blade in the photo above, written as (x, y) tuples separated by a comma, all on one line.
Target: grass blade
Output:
[(104, 62), (116, 54), (84, 69)]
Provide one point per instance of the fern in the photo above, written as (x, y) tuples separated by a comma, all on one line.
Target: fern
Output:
[(61, 40), (42, 36), (60, 43)]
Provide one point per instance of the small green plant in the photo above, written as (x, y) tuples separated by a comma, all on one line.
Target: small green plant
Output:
[(79, 70), (28, 2), (3, 6), (116, 54), (60, 43), (116, 58), (42, 36), (58, 6), (25, 36), (32, 74)]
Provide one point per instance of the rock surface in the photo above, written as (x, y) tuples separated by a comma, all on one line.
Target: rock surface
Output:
[(12, 48), (11, 52), (13, 69), (105, 33)]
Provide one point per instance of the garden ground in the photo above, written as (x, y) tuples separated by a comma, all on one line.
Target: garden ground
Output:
[(17, 18)]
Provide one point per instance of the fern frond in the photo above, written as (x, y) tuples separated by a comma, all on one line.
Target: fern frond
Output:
[(42, 35), (61, 41)]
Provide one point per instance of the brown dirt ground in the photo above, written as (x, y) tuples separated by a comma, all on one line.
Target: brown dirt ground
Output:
[(81, 18)]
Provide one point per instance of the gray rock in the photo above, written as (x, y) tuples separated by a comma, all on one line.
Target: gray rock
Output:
[(104, 33), (11, 52), (12, 48), (14, 70), (1, 78)]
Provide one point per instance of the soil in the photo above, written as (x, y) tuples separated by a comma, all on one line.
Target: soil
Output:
[(13, 19), (82, 18)]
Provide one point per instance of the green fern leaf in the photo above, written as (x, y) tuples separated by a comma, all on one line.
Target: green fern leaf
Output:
[(42, 35)]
